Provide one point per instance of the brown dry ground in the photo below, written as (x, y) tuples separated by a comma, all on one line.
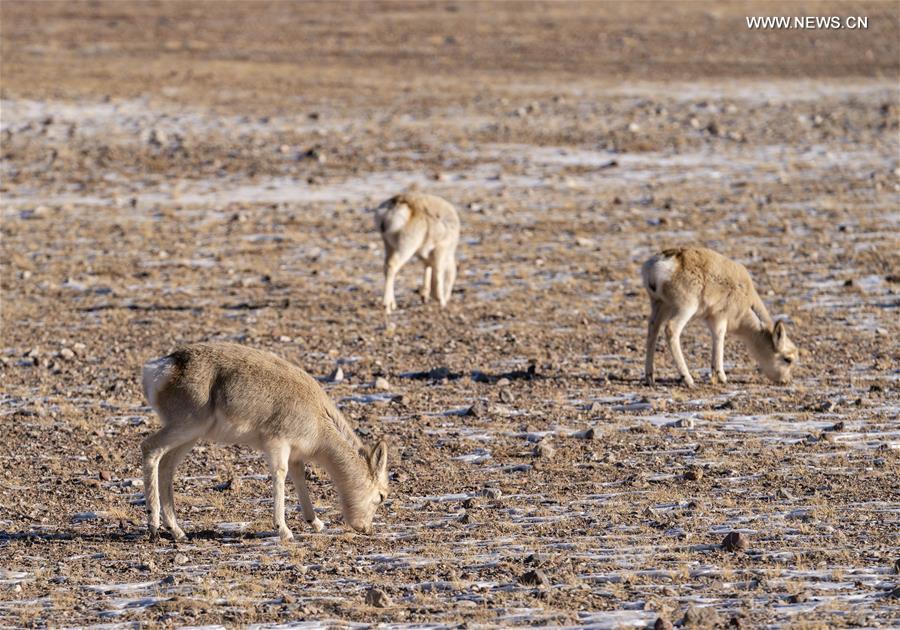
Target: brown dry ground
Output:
[(182, 171)]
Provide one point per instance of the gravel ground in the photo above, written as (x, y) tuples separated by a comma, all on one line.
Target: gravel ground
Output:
[(176, 172)]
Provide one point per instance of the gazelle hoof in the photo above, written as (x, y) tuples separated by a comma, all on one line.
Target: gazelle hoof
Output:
[(285, 535), (317, 524)]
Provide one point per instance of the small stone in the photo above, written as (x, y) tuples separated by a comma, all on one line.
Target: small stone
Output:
[(506, 396), (544, 450), (105, 475), (181, 559), (662, 623), (735, 541), (169, 580), (478, 409), (466, 519), (492, 493), (694, 474), (827, 406), (66, 354), (401, 399), (382, 383), (534, 560), (838, 426), (685, 423), (535, 577), (336, 376), (503, 382), (470, 503), (798, 598), (232, 484), (587, 434), (377, 598), (695, 617)]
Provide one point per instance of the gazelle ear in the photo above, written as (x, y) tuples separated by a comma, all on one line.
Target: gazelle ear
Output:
[(378, 458), (779, 335)]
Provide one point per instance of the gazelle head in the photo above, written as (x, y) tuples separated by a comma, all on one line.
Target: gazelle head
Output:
[(361, 511), (779, 356)]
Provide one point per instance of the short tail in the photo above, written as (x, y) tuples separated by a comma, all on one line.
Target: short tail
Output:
[(154, 376)]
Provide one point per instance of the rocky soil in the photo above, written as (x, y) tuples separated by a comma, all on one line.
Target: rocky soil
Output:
[(174, 172)]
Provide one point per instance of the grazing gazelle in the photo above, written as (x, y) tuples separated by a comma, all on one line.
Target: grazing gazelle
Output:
[(425, 225), (695, 281), (232, 394)]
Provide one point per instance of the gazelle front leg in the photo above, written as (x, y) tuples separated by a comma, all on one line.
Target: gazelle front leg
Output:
[(298, 476), (718, 330), (278, 466)]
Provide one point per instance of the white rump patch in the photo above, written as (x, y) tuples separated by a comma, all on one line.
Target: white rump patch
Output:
[(658, 273), (154, 375)]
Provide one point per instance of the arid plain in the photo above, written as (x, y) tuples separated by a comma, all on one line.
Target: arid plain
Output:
[(176, 172)]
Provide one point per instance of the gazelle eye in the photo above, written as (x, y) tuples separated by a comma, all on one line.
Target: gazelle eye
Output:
[(380, 498), (788, 360)]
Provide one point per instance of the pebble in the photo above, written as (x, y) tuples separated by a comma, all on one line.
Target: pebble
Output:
[(67, 354), (662, 623), (466, 519), (534, 560), (543, 450), (377, 598), (336, 376), (478, 410), (231, 484), (503, 382), (695, 617), (105, 475), (694, 474), (826, 407), (169, 580), (506, 396), (535, 577), (587, 434), (181, 559), (382, 383), (735, 541), (685, 423), (492, 493)]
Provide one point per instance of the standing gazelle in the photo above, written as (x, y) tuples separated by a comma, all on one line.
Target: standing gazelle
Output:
[(425, 225), (693, 281), (232, 394)]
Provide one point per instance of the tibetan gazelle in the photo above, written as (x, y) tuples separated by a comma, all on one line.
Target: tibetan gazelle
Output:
[(688, 282), (423, 225), (232, 394)]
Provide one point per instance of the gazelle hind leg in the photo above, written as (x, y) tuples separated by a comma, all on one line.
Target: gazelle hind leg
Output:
[(673, 329), (153, 449), (167, 466), (426, 282), (658, 315), (451, 276), (297, 469), (393, 260)]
